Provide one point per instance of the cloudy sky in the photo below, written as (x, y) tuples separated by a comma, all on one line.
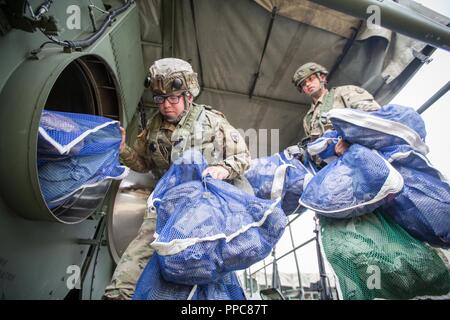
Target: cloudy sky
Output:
[(425, 83)]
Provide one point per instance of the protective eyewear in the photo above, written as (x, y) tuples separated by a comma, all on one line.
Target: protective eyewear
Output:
[(172, 99)]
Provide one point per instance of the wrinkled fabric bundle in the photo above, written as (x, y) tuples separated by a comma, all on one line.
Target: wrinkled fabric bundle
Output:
[(207, 227), (423, 206), (390, 125), (324, 146), (278, 175), (373, 257), (76, 151), (357, 182), (398, 133), (152, 286)]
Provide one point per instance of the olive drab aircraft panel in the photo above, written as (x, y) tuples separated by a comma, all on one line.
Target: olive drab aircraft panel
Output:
[(245, 53), (43, 252)]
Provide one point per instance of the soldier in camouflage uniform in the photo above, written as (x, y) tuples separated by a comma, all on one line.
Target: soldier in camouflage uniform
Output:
[(179, 125), (311, 79)]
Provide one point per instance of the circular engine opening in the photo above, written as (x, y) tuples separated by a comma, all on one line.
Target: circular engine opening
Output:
[(85, 86)]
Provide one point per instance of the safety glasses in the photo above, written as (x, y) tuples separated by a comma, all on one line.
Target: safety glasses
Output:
[(171, 98)]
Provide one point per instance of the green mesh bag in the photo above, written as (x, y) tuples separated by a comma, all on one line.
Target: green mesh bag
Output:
[(373, 257)]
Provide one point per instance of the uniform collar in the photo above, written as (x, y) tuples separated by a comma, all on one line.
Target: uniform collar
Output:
[(168, 126), (319, 101), (183, 119)]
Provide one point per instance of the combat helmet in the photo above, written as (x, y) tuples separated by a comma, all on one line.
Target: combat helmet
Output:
[(306, 70), (170, 75)]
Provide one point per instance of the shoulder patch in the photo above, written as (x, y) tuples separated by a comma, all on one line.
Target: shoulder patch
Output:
[(234, 136), (360, 90), (351, 91)]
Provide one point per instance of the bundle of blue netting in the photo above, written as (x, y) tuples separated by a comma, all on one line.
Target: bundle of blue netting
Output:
[(390, 125), (276, 176), (423, 206), (386, 165), (76, 151), (324, 146), (356, 183), (414, 207), (207, 228), (153, 286)]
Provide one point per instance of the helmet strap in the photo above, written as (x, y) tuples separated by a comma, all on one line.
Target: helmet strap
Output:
[(322, 82)]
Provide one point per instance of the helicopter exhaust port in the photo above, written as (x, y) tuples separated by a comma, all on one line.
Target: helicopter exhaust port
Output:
[(77, 83)]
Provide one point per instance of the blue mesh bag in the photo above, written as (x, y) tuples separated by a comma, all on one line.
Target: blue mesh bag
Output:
[(423, 206), (187, 168), (390, 125), (324, 146), (207, 227), (76, 151), (278, 175), (152, 286), (357, 182)]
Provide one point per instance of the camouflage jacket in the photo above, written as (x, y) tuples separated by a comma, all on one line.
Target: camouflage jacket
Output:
[(160, 142), (315, 123)]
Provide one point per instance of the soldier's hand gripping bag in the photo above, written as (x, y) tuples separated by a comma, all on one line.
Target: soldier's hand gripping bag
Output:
[(355, 183), (207, 227), (278, 175), (324, 147), (423, 206), (390, 125)]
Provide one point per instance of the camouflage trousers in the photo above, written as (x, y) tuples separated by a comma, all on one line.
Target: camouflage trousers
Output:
[(132, 262)]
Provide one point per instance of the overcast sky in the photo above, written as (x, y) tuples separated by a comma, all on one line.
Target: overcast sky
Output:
[(430, 78), (426, 82)]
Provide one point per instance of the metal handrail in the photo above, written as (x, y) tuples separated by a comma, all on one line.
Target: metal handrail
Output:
[(279, 258), (296, 217), (434, 98), (296, 260)]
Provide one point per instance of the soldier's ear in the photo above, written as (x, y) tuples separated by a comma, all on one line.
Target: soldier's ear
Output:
[(189, 97)]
